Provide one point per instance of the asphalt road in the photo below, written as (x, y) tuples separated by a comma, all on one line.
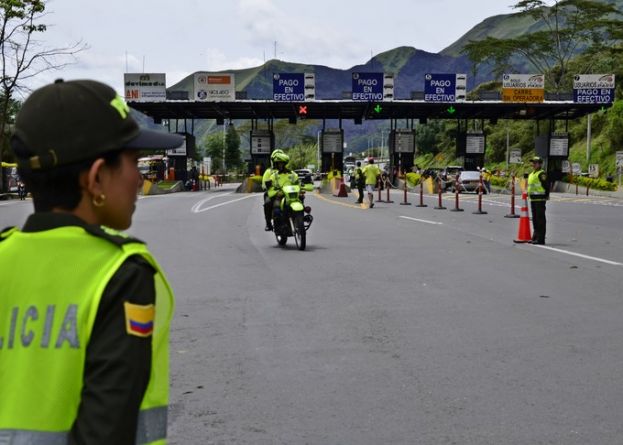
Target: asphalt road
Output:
[(398, 324)]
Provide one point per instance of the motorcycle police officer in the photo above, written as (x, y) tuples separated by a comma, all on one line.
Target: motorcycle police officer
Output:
[(266, 184), (84, 309), (280, 177)]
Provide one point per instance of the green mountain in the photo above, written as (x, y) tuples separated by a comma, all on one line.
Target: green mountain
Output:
[(408, 64)]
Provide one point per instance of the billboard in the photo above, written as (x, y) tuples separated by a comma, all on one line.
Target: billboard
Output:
[(261, 142), (559, 145), (474, 143), (214, 87), (445, 87), (523, 88), (367, 87), (403, 140), (332, 141), (593, 88), (145, 87), (288, 87)]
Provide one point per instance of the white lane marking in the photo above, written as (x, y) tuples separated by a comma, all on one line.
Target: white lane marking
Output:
[(198, 205), (581, 255), (421, 220), (196, 209)]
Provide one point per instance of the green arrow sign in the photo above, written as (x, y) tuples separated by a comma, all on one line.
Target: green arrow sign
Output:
[(378, 108), (451, 110)]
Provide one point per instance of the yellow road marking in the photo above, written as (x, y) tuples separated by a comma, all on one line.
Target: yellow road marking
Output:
[(352, 206)]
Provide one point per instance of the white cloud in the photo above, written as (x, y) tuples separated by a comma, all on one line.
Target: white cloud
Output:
[(299, 38)]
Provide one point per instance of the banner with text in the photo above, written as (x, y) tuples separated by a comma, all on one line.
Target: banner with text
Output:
[(144, 87), (367, 87), (289, 87), (523, 88), (444, 87), (214, 87), (593, 88)]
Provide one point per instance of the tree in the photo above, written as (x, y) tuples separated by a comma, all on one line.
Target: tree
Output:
[(22, 57), (232, 148), (213, 147), (302, 155), (563, 30)]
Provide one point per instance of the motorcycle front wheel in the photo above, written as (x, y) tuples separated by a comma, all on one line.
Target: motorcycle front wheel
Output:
[(300, 235), (281, 239)]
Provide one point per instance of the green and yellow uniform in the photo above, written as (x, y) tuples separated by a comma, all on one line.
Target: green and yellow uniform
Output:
[(60, 344)]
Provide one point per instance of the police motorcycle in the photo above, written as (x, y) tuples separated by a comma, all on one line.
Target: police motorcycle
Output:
[(291, 218)]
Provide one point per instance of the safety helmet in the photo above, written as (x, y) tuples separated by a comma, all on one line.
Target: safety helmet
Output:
[(279, 156), (537, 159)]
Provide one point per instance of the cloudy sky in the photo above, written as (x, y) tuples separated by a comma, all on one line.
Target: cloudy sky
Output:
[(181, 37)]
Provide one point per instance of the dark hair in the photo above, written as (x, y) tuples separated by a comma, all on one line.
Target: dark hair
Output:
[(60, 186)]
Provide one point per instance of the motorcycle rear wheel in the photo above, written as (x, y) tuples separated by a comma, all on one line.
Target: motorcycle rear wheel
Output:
[(300, 235)]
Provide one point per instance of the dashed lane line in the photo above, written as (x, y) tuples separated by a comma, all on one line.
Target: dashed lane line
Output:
[(437, 223)]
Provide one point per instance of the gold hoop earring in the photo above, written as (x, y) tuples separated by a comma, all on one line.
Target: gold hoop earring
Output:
[(99, 201)]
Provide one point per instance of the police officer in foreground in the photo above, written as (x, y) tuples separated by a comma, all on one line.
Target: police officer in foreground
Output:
[(538, 193), (84, 309)]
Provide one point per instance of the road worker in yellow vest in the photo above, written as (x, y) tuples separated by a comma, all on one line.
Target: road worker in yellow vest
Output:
[(372, 173), (84, 308)]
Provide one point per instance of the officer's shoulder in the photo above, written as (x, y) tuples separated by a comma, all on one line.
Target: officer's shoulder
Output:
[(111, 235)]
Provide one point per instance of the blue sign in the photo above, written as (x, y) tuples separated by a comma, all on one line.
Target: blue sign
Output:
[(593, 95), (367, 87), (288, 87), (440, 87)]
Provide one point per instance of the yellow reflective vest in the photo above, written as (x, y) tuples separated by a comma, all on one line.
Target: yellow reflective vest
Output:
[(372, 172), (536, 191), (279, 180), (45, 330)]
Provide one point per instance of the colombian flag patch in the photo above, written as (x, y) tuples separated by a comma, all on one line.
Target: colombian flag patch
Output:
[(139, 319)]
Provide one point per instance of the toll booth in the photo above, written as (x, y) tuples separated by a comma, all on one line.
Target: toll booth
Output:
[(332, 148), (262, 143), (471, 147), (401, 149), (178, 157)]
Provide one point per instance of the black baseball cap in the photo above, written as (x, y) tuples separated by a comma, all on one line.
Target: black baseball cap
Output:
[(67, 122)]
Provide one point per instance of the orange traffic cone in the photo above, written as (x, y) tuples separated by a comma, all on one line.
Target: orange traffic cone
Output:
[(524, 235)]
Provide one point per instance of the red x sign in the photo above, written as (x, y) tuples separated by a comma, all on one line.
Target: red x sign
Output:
[(302, 109)]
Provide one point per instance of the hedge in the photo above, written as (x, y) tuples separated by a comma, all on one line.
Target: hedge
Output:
[(413, 179), (594, 183)]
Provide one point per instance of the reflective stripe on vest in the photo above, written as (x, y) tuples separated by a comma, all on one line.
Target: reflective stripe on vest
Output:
[(536, 192), (152, 427), (25, 437), (50, 329)]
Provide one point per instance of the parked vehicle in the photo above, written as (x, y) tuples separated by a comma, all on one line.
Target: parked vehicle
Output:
[(305, 175), (449, 174), (469, 181), (291, 218)]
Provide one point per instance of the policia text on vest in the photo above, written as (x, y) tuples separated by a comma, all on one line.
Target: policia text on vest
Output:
[(48, 327)]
